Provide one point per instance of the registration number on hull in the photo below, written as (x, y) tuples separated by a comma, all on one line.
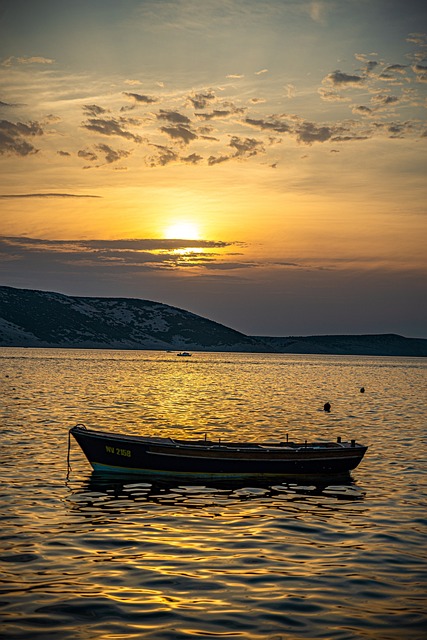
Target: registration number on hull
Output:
[(118, 451)]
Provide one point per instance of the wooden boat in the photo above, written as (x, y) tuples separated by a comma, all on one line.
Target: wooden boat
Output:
[(207, 459)]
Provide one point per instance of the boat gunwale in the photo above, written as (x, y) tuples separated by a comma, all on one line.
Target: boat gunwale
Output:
[(212, 446)]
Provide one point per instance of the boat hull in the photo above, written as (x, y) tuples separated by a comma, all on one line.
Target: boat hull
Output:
[(137, 455)]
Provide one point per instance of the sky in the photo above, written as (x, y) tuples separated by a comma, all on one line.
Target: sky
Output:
[(261, 163)]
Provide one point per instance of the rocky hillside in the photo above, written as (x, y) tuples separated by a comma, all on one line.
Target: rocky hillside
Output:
[(43, 319)]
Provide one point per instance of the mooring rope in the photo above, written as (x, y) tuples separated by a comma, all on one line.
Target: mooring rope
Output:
[(68, 455)]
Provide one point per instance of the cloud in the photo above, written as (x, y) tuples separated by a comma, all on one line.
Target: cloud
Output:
[(201, 100), (421, 72), (111, 127), (140, 98), (417, 38), (12, 137), (93, 110), (317, 11), (370, 66), (212, 160), (228, 109), (181, 133), (10, 105), (194, 158), (290, 90), (87, 155), (341, 79), (8, 62), (363, 110), (271, 123), (48, 195), (349, 138), (384, 99), (173, 116), (119, 255), (246, 146), (112, 155), (396, 68), (152, 244), (216, 113), (164, 156), (331, 96), (308, 132)]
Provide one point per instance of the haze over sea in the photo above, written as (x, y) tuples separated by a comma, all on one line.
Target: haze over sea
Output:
[(85, 557)]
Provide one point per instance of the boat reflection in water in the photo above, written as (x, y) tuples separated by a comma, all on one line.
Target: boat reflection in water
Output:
[(105, 493)]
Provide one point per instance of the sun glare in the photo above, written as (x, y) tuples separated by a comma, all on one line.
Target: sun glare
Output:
[(182, 231)]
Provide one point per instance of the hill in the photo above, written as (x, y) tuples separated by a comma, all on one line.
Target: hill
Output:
[(384, 344), (43, 319), (30, 318)]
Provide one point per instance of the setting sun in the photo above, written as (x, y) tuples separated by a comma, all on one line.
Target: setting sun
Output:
[(182, 231)]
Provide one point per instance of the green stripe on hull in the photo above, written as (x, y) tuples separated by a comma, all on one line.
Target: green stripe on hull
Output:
[(210, 476)]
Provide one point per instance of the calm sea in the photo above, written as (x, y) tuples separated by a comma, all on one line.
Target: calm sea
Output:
[(90, 558)]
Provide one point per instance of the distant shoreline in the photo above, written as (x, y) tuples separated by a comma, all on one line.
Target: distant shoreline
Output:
[(197, 351)]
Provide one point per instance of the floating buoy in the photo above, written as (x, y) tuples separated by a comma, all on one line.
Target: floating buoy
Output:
[(327, 407)]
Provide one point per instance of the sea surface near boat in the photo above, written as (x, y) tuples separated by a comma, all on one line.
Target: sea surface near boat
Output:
[(99, 557)]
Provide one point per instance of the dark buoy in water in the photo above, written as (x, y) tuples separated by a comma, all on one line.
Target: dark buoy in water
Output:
[(362, 390), (327, 407)]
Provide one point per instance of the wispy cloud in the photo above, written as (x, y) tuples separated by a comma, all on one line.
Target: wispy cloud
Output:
[(141, 254), (47, 195), (8, 62)]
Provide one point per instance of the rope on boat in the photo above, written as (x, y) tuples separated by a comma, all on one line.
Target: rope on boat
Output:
[(68, 455)]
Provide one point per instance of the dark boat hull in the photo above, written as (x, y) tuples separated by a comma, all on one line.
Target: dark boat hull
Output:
[(137, 455)]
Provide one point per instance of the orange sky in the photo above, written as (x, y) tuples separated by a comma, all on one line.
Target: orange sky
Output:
[(265, 169)]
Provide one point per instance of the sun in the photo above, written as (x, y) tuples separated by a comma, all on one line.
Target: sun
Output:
[(182, 231)]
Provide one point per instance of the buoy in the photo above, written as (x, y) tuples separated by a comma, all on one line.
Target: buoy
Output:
[(327, 407)]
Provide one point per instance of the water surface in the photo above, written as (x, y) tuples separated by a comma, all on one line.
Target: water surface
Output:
[(88, 557)]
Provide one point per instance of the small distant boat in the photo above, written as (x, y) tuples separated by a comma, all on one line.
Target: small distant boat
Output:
[(208, 459), (184, 354)]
